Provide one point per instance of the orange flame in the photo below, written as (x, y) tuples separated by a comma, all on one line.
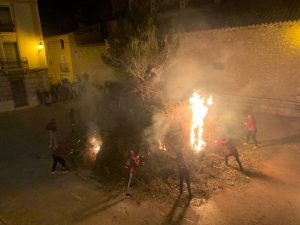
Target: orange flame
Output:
[(161, 146), (199, 106), (95, 145)]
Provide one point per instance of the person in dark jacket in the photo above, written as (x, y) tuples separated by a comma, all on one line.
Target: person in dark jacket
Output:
[(39, 96), (250, 125), (72, 118), (229, 150), (52, 130), (184, 173), (131, 165), (58, 154)]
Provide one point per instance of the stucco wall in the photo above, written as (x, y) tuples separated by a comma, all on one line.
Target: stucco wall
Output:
[(258, 61), (57, 56), (87, 60), (29, 33)]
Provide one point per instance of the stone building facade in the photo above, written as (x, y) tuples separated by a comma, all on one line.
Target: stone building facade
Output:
[(258, 62)]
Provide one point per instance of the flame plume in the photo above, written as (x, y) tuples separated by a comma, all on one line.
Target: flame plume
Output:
[(199, 107)]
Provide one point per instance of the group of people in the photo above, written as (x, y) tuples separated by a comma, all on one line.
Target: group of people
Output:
[(229, 150), (59, 149), (61, 91)]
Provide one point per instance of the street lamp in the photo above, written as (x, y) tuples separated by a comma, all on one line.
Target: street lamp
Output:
[(40, 47)]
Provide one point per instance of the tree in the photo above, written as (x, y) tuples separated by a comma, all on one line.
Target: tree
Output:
[(139, 51)]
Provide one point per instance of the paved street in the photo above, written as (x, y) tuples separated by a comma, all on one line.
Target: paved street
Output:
[(30, 195)]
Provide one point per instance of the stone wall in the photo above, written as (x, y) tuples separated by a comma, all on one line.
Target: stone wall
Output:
[(6, 102), (33, 81), (256, 61)]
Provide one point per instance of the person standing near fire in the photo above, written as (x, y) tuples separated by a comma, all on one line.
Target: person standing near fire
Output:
[(229, 150), (131, 165), (250, 125), (72, 118), (184, 173), (52, 130), (57, 154)]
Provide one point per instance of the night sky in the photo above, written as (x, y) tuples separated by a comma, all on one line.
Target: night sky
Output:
[(62, 16)]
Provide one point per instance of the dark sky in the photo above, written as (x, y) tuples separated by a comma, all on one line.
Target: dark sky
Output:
[(62, 16)]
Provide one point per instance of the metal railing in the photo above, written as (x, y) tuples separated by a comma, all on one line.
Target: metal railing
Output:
[(7, 26), (13, 64)]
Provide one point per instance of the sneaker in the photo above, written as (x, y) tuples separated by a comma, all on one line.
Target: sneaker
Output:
[(128, 194), (53, 172), (65, 171)]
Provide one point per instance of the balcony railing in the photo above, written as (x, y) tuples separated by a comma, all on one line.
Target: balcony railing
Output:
[(7, 26), (13, 64)]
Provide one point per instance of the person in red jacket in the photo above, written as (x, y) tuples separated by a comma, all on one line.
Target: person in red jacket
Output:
[(229, 150), (52, 129), (131, 165), (251, 129), (58, 153)]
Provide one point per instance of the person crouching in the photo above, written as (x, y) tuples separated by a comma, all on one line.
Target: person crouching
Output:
[(229, 150)]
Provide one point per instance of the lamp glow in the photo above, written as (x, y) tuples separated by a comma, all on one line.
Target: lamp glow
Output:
[(40, 46)]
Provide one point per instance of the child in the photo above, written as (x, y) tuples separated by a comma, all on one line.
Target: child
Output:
[(132, 163)]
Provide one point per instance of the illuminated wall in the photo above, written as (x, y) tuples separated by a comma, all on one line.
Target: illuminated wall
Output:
[(78, 59), (58, 50), (22, 54), (28, 32), (87, 60)]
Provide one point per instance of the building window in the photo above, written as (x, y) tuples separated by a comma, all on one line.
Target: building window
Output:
[(11, 51), (6, 23), (62, 44)]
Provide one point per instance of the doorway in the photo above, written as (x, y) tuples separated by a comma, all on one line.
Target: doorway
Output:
[(19, 92)]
